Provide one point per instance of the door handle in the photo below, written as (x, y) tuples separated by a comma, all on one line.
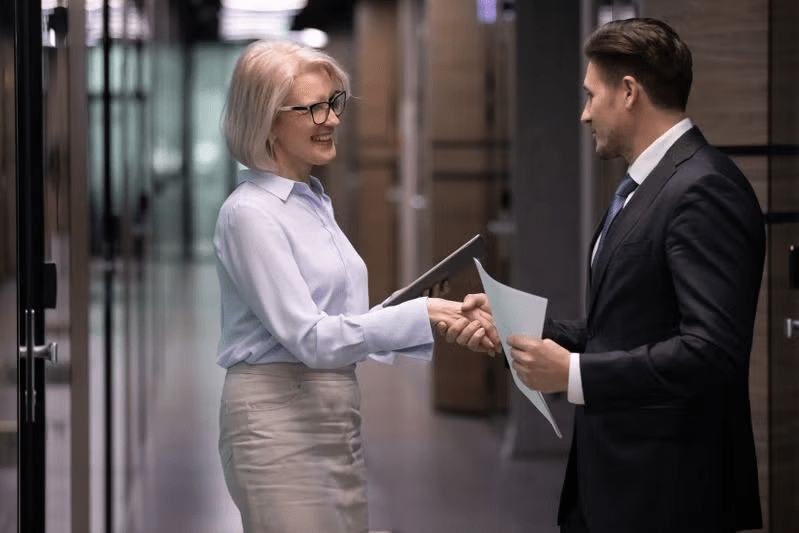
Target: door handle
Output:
[(47, 351), (791, 327)]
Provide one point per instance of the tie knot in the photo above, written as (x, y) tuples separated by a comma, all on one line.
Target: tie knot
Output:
[(626, 186)]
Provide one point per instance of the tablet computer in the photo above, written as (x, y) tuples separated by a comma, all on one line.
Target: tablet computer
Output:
[(445, 269)]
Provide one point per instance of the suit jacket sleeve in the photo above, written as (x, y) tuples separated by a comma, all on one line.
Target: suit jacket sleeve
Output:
[(568, 333)]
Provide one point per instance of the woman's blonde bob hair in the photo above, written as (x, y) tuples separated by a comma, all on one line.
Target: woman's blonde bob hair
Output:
[(261, 80)]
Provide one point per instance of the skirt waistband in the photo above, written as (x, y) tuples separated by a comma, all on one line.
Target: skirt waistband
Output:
[(294, 370)]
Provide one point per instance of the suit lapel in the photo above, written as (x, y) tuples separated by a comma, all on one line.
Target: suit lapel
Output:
[(682, 150)]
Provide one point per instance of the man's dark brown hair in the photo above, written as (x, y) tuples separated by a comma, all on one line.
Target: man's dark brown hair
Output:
[(649, 51)]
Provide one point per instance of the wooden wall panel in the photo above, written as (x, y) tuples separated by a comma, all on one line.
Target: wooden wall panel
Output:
[(784, 304), (377, 237), (466, 161), (785, 69), (456, 71), (375, 149), (464, 380), (756, 169), (784, 191), (378, 82), (729, 43)]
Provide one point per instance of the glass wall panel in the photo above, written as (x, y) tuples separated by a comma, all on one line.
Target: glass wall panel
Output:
[(123, 299), (212, 167), (167, 149)]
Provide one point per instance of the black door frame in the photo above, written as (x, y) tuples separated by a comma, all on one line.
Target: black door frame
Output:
[(30, 257)]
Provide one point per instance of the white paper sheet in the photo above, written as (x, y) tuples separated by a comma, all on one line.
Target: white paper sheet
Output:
[(517, 313)]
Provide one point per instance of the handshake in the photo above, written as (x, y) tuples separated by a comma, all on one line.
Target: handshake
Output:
[(468, 323), (542, 365)]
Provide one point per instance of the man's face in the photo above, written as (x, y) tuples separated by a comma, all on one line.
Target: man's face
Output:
[(604, 113)]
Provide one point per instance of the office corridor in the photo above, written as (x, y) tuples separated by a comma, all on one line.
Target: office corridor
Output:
[(428, 472)]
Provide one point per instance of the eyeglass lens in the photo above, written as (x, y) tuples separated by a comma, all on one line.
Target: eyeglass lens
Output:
[(321, 110)]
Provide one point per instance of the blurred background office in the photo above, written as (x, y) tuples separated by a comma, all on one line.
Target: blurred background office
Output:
[(112, 168)]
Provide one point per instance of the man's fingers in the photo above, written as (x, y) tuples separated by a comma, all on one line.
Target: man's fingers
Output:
[(468, 303), (486, 321), (524, 343), (514, 354), (474, 301), (522, 357), (521, 371)]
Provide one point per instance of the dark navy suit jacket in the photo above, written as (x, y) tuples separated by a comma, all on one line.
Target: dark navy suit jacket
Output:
[(664, 442)]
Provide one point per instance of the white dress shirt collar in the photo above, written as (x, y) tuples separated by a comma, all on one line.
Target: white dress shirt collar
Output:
[(278, 185), (649, 158)]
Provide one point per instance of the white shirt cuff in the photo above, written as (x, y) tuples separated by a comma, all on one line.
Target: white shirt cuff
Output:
[(575, 391)]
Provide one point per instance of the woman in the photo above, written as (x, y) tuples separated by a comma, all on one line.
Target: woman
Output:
[(295, 317)]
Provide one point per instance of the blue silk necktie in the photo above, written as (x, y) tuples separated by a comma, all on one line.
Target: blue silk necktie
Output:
[(626, 186)]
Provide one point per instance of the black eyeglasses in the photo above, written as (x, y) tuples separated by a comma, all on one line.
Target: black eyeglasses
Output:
[(321, 110)]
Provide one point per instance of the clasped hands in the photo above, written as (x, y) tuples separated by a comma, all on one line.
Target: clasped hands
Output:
[(471, 327), (542, 365)]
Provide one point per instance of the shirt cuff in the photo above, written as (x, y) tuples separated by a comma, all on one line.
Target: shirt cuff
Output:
[(399, 327), (575, 390)]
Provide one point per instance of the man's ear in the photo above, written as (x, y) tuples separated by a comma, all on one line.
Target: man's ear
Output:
[(632, 91)]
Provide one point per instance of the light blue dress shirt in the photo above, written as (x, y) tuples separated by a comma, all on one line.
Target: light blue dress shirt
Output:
[(294, 289)]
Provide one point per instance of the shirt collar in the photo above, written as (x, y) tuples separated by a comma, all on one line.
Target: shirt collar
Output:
[(649, 158), (278, 185)]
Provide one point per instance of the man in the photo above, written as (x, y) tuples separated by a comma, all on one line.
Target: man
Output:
[(659, 367)]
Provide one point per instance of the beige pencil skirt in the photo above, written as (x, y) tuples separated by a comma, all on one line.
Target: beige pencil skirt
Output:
[(291, 448)]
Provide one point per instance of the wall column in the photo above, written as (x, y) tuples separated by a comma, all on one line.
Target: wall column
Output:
[(547, 257)]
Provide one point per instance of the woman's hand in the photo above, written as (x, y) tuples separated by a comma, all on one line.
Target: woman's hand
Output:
[(472, 327)]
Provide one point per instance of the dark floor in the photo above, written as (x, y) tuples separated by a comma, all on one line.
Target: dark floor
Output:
[(428, 471)]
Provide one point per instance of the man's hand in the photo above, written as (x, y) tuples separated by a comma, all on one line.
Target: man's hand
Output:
[(542, 365), (475, 310), (477, 301), (473, 329)]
